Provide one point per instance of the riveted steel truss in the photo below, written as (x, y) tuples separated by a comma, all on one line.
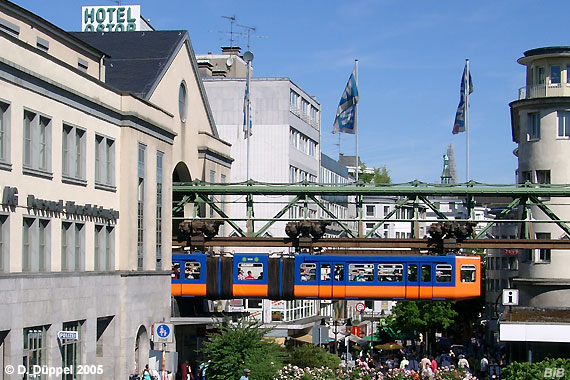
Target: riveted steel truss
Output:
[(523, 205)]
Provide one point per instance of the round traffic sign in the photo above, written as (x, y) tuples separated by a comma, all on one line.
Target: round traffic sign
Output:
[(360, 307), (163, 331)]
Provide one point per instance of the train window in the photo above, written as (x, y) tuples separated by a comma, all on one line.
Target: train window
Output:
[(412, 272), (250, 271), (339, 272), (308, 271), (390, 272), (175, 274), (443, 273), (325, 272), (468, 273), (192, 271), (426, 273), (361, 272)]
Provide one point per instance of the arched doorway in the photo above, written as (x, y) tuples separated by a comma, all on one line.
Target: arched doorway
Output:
[(142, 348), (180, 174)]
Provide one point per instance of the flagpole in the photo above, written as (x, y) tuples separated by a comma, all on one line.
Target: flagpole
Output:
[(356, 120), (467, 89)]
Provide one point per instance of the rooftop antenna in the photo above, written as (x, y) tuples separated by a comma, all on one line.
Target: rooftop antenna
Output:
[(249, 29), (232, 22)]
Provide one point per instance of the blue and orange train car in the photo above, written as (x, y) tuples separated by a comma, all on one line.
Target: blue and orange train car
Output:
[(450, 277)]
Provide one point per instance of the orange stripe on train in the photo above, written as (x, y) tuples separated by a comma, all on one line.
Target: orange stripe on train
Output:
[(250, 290), (194, 289)]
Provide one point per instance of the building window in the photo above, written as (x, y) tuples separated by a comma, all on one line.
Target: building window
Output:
[(526, 176), (314, 114), (4, 133), (541, 77), (543, 177), (104, 248), (140, 207), (555, 75), (294, 100), (37, 142), (73, 152), (304, 107), (104, 161), (4, 244), (159, 183), (35, 245), (534, 126), (369, 210), (71, 355), (563, 124), (35, 347), (72, 246), (544, 255), (183, 102)]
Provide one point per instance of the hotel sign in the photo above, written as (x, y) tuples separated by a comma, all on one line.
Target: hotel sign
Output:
[(126, 18)]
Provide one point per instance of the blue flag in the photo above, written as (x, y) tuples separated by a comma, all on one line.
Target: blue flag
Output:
[(345, 113), (459, 125)]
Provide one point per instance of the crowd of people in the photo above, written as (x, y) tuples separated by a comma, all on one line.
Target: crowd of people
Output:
[(471, 358)]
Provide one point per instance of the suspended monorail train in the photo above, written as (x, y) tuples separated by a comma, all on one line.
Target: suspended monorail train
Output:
[(449, 277)]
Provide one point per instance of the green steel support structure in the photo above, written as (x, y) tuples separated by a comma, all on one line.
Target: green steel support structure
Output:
[(517, 200)]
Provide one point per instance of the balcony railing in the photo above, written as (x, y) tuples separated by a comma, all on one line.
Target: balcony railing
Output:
[(544, 90)]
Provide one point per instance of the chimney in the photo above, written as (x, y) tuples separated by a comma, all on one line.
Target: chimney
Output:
[(231, 50), (205, 68)]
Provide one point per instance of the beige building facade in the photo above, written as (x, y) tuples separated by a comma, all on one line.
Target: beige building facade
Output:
[(86, 171), (541, 128)]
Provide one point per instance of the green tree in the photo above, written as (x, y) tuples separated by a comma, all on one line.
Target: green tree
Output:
[(380, 175), (239, 346), (428, 317)]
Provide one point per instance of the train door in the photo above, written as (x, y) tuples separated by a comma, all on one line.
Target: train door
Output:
[(325, 281), (412, 281), (175, 283), (339, 275), (426, 281)]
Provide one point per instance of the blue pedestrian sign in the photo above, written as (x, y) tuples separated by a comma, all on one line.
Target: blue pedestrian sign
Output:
[(163, 333)]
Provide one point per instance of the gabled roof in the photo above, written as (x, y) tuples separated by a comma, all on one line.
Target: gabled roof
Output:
[(136, 60)]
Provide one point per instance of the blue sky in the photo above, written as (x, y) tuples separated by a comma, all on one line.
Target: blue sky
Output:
[(411, 56)]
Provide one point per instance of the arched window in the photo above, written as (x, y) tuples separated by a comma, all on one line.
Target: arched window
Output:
[(182, 101)]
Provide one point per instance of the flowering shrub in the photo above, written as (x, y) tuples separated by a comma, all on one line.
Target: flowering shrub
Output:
[(362, 371), (292, 372)]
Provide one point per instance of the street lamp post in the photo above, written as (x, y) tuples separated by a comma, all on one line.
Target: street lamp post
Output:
[(336, 323)]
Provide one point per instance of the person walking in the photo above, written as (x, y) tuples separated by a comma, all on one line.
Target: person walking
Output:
[(404, 363), (463, 363), (246, 373), (146, 373), (484, 367)]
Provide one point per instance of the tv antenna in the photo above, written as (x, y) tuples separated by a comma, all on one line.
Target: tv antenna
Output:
[(249, 30), (232, 22)]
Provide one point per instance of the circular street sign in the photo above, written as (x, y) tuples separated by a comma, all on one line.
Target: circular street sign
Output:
[(163, 331), (360, 307)]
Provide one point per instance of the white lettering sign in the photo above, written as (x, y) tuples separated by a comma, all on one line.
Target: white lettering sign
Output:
[(125, 18), (68, 335)]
